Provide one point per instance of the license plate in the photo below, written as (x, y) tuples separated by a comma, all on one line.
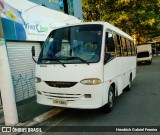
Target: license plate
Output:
[(59, 101)]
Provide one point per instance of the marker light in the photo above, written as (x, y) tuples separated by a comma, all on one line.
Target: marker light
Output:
[(91, 81), (37, 80), (87, 95), (39, 92)]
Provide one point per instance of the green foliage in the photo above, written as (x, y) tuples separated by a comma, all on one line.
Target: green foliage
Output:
[(140, 18)]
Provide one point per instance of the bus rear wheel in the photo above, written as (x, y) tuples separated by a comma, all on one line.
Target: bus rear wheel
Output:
[(130, 83), (109, 106)]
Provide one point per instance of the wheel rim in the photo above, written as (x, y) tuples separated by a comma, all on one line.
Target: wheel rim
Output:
[(111, 99)]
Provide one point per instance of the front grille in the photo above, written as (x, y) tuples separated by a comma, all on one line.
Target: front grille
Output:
[(60, 84), (65, 96)]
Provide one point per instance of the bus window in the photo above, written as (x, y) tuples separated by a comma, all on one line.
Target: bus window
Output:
[(109, 47), (129, 47), (117, 44), (123, 43), (110, 44), (133, 49)]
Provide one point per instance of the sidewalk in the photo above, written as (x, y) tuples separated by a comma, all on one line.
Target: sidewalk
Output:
[(28, 110)]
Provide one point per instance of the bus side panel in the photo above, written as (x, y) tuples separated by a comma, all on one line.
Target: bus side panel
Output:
[(119, 85), (110, 70), (110, 74), (133, 74), (125, 67), (105, 92)]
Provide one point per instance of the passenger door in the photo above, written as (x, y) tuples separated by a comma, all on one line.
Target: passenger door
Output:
[(109, 57)]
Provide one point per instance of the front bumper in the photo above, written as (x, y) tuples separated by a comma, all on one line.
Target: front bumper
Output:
[(74, 97)]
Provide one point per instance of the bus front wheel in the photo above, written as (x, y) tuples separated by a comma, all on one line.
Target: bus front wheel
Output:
[(109, 106)]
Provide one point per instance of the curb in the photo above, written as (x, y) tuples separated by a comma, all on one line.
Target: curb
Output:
[(43, 117)]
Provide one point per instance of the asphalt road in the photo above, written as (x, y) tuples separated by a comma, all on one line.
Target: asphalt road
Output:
[(138, 107)]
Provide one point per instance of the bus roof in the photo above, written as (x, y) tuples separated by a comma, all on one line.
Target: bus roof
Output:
[(115, 29)]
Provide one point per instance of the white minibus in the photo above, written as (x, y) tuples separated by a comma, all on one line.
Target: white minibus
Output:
[(85, 66)]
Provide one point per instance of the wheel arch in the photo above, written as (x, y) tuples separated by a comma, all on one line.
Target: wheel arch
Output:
[(131, 77), (114, 88)]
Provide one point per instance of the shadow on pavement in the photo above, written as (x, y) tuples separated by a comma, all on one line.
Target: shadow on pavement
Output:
[(29, 109)]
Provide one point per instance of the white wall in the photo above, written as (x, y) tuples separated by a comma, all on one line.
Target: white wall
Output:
[(34, 15)]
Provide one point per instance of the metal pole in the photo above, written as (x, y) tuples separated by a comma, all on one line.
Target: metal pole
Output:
[(1, 29), (6, 86), (65, 3)]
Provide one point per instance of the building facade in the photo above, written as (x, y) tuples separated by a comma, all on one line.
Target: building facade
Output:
[(29, 25), (74, 6)]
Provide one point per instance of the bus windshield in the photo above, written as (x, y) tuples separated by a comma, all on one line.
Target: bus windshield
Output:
[(73, 45), (143, 54)]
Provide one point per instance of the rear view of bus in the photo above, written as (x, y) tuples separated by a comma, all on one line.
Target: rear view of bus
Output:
[(78, 67)]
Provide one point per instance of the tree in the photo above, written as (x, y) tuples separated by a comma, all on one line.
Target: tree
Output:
[(93, 10), (139, 18)]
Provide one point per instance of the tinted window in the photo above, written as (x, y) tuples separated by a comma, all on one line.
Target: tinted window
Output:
[(133, 48), (142, 54), (117, 44), (129, 47), (74, 44), (109, 47), (124, 46)]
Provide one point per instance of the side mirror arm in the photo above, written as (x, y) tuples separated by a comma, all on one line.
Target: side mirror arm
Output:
[(107, 57), (33, 54), (34, 59)]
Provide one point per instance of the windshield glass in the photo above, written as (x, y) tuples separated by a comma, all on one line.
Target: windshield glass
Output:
[(142, 54), (69, 45)]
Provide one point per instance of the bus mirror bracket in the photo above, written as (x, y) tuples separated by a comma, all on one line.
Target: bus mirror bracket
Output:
[(107, 57), (33, 54)]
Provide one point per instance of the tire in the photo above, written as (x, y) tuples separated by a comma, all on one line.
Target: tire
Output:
[(150, 62), (107, 108)]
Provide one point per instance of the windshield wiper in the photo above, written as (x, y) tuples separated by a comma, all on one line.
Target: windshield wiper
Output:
[(53, 59), (71, 58)]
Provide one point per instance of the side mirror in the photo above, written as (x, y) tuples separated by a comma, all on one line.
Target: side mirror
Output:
[(33, 51)]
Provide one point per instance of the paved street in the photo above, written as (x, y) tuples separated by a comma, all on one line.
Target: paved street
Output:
[(138, 107)]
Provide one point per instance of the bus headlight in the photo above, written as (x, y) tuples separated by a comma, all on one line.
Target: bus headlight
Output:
[(37, 80), (91, 81)]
